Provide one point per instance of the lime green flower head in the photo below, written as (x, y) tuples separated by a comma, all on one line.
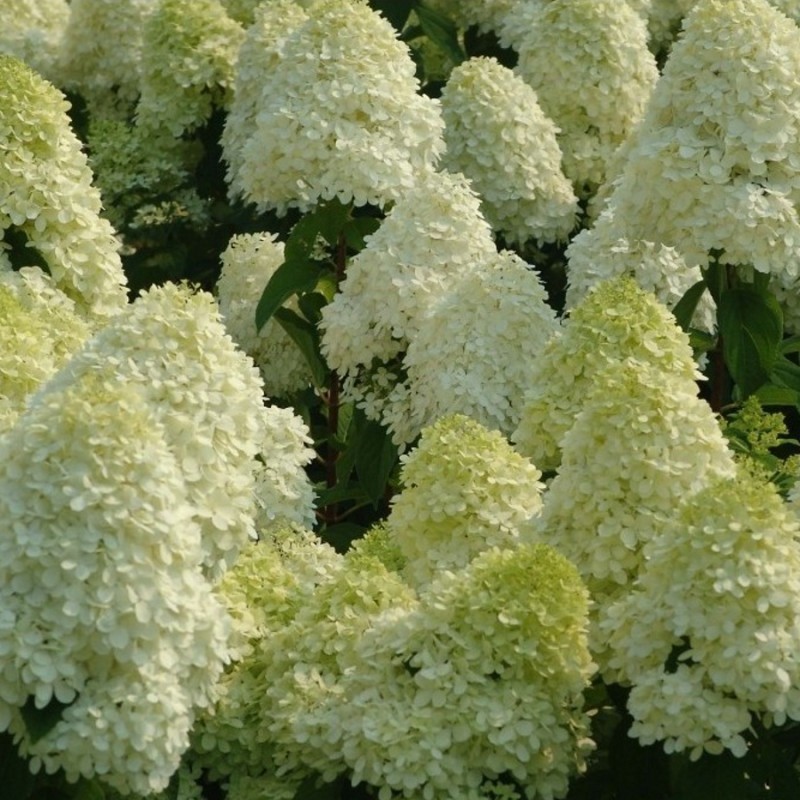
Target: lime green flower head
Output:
[(47, 196), (720, 590), (615, 322), (484, 678), (465, 490)]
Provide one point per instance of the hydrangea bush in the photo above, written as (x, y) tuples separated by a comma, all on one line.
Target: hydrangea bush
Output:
[(399, 399)]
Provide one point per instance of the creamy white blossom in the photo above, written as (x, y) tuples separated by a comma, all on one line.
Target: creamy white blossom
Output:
[(464, 490), (206, 399), (474, 351), (480, 680), (31, 30), (39, 331), (713, 168), (47, 196), (101, 52), (105, 606), (498, 136), (259, 54), (434, 236), (339, 114), (248, 262), (616, 321), (593, 74), (189, 50), (709, 634)]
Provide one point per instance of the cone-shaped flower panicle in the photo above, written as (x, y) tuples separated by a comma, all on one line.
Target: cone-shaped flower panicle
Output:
[(205, 397), (474, 352), (465, 490), (101, 55), (498, 136), (339, 114), (189, 51), (615, 322), (593, 74), (481, 681), (714, 168), (709, 635), (47, 199)]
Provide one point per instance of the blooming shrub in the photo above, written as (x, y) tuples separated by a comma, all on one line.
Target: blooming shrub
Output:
[(276, 543)]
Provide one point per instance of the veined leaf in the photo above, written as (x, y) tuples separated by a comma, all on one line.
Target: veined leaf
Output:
[(291, 277), (751, 326), (306, 337), (326, 220), (687, 305), (376, 456), (442, 31)]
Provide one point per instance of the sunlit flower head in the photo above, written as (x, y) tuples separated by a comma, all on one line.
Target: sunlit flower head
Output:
[(498, 136), (339, 115)]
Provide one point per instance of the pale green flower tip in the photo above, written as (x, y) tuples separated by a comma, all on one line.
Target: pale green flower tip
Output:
[(378, 543)]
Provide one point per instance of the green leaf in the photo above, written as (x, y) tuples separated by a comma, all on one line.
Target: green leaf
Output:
[(291, 277), (719, 776), (312, 788), (16, 779), (311, 305), (442, 31), (40, 721), (751, 326), (326, 220), (357, 230), (396, 11), (790, 345), (340, 537), (716, 278), (375, 458), (306, 337), (771, 394), (88, 790), (340, 493), (687, 305)]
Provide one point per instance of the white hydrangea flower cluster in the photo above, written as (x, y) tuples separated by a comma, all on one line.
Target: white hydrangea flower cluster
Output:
[(31, 30), (595, 256), (474, 352), (248, 262), (47, 196), (593, 74), (39, 330), (105, 609), (435, 258), (642, 441), (189, 50), (713, 168), (101, 52), (709, 634), (339, 114), (498, 136), (615, 322), (431, 238), (206, 400), (283, 490), (465, 490), (259, 54), (263, 592), (449, 697)]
